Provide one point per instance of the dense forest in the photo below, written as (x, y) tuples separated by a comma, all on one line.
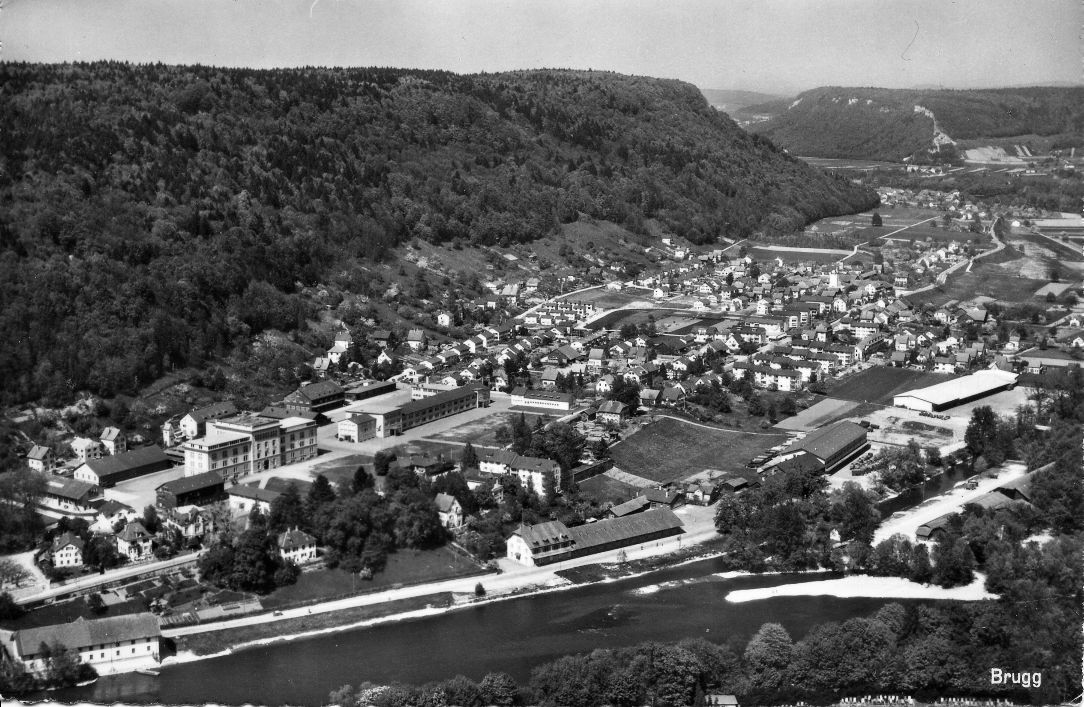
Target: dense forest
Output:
[(158, 216), (883, 124)]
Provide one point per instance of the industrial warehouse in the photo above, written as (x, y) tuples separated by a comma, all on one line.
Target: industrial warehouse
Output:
[(552, 541), (956, 392)]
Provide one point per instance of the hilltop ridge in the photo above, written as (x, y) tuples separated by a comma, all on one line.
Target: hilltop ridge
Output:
[(162, 216), (890, 124)]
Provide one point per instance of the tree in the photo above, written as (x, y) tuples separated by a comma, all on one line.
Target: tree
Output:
[(13, 573), (767, 655), (855, 513), (361, 480), (287, 511), (498, 689), (8, 608), (875, 220), (919, 568), (954, 562), (150, 519), (933, 455), (320, 494), (381, 461), (468, 459)]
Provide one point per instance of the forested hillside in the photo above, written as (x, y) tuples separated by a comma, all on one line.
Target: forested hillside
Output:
[(158, 216), (878, 123)]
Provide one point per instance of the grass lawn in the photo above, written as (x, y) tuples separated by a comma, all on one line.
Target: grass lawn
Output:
[(880, 383), (614, 320), (68, 611), (404, 567), (602, 489), (482, 432), (987, 279), (670, 450), (1063, 251), (790, 256), (215, 641), (610, 299)]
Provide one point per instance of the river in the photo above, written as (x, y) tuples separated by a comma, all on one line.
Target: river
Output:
[(510, 636)]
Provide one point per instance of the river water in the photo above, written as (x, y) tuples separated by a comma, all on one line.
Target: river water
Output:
[(511, 636)]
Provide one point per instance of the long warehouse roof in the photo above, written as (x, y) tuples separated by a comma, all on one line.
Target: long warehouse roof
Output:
[(964, 387)]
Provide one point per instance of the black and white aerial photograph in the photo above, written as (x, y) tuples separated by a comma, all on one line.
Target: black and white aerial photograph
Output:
[(542, 353)]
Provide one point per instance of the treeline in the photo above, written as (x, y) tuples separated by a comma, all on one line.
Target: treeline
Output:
[(882, 124), (155, 216), (924, 650), (1059, 192)]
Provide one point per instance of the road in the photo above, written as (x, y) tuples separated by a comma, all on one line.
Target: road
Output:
[(699, 525), (122, 573), (907, 522)]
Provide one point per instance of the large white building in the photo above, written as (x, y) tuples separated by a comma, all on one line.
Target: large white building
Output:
[(247, 443), (545, 399), (956, 391), (115, 644)]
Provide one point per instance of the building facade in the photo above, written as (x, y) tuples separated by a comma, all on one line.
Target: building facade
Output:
[(115, 644), (248, 443)]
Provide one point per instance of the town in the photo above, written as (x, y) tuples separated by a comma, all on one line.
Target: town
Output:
[(595, 424)]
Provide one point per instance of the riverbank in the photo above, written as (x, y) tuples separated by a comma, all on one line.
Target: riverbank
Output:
[(198, 646), (854, 586)]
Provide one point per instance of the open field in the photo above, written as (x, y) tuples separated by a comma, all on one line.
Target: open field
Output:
[(670, 450), (792, 256), (604, 489), (614, 320), (1062, 251), (841, 164), (483, 430), (928, 231), (1001, 281), (404, 567), (879, 384), (818, 414), (609, 299)]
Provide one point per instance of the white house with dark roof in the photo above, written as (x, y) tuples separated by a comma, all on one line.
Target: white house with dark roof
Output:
[(449, 510), (114, 644), (40, 458), (113, 441), (134, 542), (358, 427), (67, 551), (297, 546), (86, 448)]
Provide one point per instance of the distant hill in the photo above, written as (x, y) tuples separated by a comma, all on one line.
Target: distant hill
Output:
[(157, 217), (890, 124), (731, 101)]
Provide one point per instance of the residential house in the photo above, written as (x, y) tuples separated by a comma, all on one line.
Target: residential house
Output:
[(134, 542), (194, 424), (113, 441), (449, 510), (296, 546), (67, 551), (613, 412), (85, 448), (40, 458)]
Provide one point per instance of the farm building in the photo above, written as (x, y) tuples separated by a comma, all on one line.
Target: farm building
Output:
[(550, 542), (956, 392), (829, 447)]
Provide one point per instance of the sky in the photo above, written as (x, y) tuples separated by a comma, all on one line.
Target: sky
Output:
[(774, 46)]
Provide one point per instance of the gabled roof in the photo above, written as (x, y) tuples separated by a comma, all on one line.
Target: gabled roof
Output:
[(314, 391), (622, 529), (120, 463), (83, 633), (613, 407), (188, 484), (294, 539), (64, 487), (214, 411), (134, 532), (68, 539), (39, 453), (547, 533), (253, 492), (110, 434), (444, 502)]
